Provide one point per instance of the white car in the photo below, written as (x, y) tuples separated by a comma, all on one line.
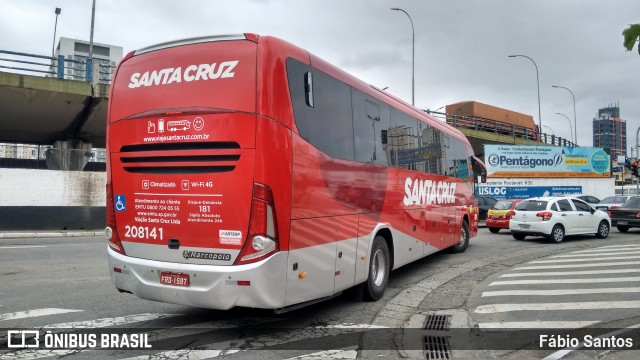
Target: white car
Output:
[(556, 217)]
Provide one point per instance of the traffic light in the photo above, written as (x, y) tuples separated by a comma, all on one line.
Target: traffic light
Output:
[(634, 168)]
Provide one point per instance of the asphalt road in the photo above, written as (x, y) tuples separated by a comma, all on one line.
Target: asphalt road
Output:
[(63, 284)]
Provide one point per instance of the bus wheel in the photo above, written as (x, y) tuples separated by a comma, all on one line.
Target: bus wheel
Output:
[(462, 244), (494, 230), (378, 270)]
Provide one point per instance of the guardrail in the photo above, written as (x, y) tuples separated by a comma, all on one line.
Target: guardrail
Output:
[(497, 127), (59, 67)]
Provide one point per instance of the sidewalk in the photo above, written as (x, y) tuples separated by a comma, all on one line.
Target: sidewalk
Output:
[(48, 233)]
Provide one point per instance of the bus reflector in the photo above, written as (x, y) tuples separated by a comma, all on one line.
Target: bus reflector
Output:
[(244, 283), (262, 239), (302, 275), (111, 231)]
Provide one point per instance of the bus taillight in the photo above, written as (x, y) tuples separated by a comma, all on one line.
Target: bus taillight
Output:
[(110, 231), (262, 239)]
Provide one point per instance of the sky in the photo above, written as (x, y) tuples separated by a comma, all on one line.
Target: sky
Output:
[(461, 46)]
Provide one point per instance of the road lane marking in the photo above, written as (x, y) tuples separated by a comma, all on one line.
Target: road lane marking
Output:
[(598, 250), (578, 260), (560, 292), (111, 321), (21, 247), (35, 313), (598, 254), (560, 273), (537, 324), (618, 246), (566, 281), (540, 267), (346, 353), (592, 305)]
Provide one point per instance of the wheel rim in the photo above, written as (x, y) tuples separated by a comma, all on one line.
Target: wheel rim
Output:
[(557, 234), (604, 230), (378, 267), (463, 237)]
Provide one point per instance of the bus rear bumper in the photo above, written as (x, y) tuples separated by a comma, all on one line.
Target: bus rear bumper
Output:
[(257, 285)]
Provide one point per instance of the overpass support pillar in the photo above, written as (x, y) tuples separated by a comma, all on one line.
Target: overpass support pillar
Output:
[(71, 155)]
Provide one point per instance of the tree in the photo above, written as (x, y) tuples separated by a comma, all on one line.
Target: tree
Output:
[(631, 35)]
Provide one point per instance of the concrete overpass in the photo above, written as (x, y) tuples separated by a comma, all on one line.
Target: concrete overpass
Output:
[(479, 138), (69, 114)]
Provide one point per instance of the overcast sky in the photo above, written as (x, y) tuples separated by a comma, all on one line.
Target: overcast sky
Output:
[(461, 46)]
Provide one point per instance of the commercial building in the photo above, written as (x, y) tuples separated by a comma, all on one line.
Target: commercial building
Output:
[(610, 131), (78, 50)]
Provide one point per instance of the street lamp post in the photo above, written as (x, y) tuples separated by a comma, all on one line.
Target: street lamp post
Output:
[(570, 128), (552, 133), (55, 28), (413, 56), (538, 82), (93, 17), (575, 123)]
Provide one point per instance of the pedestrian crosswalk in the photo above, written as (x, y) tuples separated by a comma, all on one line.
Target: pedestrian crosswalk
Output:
[(569, 291), (213, 338)]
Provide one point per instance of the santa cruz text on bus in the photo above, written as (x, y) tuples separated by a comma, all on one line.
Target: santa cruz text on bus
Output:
[(425, 192), (191, 73)]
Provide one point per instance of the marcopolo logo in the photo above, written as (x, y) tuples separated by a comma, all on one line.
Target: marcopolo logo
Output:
[(523, 161), (190, 73)]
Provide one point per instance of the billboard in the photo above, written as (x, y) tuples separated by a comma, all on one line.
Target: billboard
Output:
[(509, 161), (525, 192)]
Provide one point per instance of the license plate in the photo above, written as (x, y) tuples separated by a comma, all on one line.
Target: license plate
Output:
[(524, 226), (623, 222), (495, 216), (174, 279)]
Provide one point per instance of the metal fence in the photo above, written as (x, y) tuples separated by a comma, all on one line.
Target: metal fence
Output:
[(497, 127), (59, 67)]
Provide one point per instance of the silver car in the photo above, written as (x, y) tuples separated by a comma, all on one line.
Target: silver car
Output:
[(612, 202)]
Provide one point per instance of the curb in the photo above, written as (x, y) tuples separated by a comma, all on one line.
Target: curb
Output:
[(48, 234)]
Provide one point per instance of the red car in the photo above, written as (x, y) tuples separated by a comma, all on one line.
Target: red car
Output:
[(498, 216)]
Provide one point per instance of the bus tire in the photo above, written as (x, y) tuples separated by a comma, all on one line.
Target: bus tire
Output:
[(494, 230), (379, 264), (462, 244)]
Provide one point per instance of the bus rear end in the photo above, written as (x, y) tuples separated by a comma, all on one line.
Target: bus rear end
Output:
[(186, 221)]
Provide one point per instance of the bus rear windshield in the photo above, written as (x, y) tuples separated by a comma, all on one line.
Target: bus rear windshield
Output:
[(208, 75), (532, 206)]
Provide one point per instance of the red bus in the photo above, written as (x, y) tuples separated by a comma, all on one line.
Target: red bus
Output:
[(245, 171)]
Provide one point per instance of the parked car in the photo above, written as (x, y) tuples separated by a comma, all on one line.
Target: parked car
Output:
[(557, 217), (612, 202), (627, 215), (589, 199), (484, 204), (498, 216)]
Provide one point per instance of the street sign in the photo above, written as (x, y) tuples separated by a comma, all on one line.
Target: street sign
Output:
[(622, 159)]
